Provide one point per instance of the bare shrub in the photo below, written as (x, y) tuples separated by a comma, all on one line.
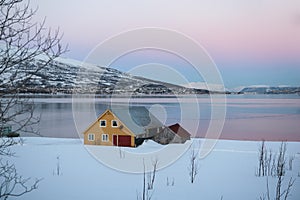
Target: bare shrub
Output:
[(194, 164), (152, 174), (291, 159), (121, 153), (57, 170), (278, 170), (170, 181), (261, 160), (146, 193)]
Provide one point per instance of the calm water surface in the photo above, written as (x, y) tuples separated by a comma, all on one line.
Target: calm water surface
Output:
[(248, 117)]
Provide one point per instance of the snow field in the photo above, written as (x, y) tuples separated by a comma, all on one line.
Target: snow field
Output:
[(228, 171)]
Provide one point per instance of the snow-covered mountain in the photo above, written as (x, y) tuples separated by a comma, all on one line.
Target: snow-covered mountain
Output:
[(266, 89), (67, 76)]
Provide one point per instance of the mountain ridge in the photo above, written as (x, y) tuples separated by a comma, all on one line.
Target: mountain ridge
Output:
[(67, 76)]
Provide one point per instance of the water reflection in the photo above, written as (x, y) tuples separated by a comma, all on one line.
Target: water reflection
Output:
[(247, 118)]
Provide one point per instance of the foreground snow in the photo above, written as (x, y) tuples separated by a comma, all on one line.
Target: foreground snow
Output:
[(228, 172)]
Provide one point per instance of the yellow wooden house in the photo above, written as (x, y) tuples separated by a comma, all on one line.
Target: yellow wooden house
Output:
[(122, 126)]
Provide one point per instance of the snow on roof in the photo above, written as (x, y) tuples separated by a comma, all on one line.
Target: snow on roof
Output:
[(136, 118)]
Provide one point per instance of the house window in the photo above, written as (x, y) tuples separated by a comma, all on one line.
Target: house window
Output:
[(102, 123), (114, 123), (104, 137), (91, 137)]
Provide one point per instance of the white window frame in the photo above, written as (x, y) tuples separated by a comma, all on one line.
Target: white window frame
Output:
[(158, 130), (102, 120), (112, 122), (91, 137), (104, 137)]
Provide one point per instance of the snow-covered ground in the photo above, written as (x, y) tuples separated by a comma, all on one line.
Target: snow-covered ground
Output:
[(228, 172)]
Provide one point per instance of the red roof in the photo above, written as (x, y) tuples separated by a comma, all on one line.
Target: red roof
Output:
[(176, 128)]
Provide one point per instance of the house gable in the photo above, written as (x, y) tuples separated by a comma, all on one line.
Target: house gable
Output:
[(180, 131), (172, 134), (108, 135), (123, 126)]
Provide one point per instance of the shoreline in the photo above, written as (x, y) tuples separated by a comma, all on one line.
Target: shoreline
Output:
[(221, 138), (142, 96)]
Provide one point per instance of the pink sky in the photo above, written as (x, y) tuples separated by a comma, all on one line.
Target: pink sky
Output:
[(232, 30)]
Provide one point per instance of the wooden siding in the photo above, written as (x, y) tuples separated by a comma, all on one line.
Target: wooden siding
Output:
[(95, 128)]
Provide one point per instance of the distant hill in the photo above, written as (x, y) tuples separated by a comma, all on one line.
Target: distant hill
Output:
[(270, 90), (66, 76)]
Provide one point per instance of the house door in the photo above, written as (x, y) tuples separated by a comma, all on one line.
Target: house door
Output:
[(122, 140), (115, 140)]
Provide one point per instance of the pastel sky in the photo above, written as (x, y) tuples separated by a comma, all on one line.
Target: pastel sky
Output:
[(251, 42)]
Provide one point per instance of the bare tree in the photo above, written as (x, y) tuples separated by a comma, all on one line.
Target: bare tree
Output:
[(146, 194), (286, 192), (12, 184), (262, 155), (193, 167), (282, 195), (278, 170), (281, 162), (266, 196), (151, 175), (5, 144), (267, 161), (22, 43)]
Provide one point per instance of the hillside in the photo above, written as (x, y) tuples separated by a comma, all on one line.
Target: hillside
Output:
[(270, 90), (66, 76)]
